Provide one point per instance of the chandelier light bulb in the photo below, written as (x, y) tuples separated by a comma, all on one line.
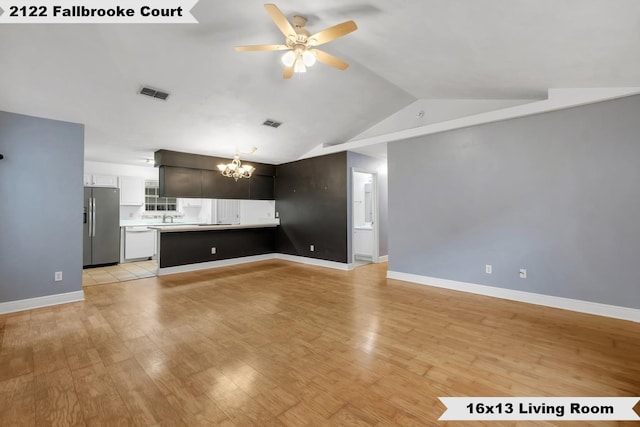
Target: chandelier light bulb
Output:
[(235, 169), (288, 58)]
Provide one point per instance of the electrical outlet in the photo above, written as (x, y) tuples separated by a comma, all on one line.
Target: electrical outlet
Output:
[(488, 269), (312, 248), (213, 251), (277, 214), (523, 273), (58, 276)]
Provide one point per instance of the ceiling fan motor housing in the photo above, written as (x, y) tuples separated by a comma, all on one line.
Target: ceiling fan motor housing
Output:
[(299, 24)]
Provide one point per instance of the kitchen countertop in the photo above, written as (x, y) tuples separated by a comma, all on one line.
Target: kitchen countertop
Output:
[(155, 224), (167, 228)]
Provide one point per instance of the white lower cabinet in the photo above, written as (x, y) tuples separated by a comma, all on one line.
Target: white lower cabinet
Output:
[(363, 242)]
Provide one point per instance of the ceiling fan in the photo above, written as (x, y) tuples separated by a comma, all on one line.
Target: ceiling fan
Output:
[(300, 44)]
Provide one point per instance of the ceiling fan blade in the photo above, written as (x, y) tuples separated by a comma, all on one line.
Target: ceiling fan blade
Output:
[(288, 72), (280, 20), (331, 60), (332, 33), (259, 47)]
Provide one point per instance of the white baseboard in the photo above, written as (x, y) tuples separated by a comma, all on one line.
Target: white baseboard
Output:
[(606, 310), (383, 258), (39, 302), (314, 261), (214, 264)]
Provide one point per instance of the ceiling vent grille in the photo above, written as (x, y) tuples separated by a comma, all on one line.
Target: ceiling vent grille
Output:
[(154, 93), (272, 123)]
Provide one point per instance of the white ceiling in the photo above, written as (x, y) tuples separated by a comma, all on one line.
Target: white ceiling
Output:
[(403, 51)]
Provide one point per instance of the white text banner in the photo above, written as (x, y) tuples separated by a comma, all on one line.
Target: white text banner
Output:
[(97, 12), (540, 408)]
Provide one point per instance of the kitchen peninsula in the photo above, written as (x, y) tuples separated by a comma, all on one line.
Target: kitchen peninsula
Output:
[(187, 245), (229, 237)]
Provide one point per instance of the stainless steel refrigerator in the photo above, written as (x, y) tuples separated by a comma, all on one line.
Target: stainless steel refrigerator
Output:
[(101, 226)]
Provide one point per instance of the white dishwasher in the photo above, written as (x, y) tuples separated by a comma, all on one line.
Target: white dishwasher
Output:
[(139, 242)]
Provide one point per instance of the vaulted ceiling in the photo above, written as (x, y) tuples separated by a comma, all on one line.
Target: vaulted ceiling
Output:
[(404, 52)]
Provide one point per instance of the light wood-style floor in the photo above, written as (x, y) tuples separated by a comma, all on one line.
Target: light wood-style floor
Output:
[(278, 343)]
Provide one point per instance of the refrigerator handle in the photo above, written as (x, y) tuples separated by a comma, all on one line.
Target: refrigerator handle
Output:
[(93, 225), (90, 215)]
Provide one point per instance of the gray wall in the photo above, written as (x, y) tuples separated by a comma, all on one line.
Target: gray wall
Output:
[(369, 164), (41, 208), (556, 193)]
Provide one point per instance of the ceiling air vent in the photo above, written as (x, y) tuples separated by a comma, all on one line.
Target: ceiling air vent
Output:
[(154, 93), (272, 123)]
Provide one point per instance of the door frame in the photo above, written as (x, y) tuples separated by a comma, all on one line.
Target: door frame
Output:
[(375, 253)]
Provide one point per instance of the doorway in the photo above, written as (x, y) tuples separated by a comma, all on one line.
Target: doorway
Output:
[(364, 217)]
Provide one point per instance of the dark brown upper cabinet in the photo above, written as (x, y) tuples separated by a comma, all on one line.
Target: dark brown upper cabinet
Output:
[(217, 186), (180, 182), (193, 175)]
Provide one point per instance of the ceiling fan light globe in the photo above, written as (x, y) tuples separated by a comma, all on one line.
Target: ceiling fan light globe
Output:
[(300, 67), (288, 58), (308, 58)]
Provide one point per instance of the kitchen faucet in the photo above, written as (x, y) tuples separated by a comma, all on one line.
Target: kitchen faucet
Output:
[(165, 216)]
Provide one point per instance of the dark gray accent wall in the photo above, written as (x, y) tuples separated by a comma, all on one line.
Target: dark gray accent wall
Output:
[(311, 199), (369, 164), (41, 209), (190, 247), (556, 193)]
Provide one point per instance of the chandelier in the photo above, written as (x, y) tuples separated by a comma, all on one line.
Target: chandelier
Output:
[(236, 169)]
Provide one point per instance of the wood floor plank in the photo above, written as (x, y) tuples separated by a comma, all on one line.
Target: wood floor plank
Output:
[(99, 399), (56, 400), (16, 363), (279, 343), (17, 405)]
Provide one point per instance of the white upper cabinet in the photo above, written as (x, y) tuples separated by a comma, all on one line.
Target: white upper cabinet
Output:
[(100, 180), (189, 203), (131, 190)]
